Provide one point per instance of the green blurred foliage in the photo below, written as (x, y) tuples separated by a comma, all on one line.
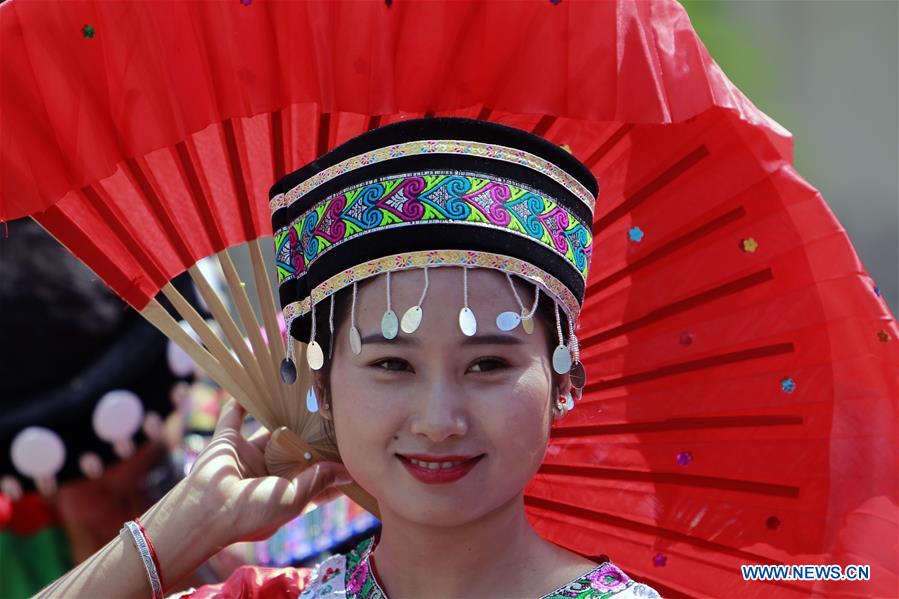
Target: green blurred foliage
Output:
[(751, 64)]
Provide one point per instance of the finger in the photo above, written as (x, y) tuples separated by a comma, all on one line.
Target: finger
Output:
[(316, 479), (230, 418), (260, 438)]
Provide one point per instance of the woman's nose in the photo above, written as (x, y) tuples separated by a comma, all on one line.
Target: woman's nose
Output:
[(440, 413)]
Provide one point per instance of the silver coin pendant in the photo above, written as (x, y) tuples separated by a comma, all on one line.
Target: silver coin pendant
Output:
[(411, 320), (561, 359), (578, 375), (507, 321), (467, 322), (527, 323), (390, 326), (315, 357), (355, 341)]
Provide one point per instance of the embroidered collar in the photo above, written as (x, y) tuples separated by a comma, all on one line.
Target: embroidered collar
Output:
[(602, 582)]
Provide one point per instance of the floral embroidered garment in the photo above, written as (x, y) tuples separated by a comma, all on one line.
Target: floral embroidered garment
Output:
[(351, 576)]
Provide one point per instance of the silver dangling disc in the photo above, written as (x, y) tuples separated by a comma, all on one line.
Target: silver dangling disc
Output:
[(561, 359), (578, 375), (315, 357), (507, 321), (467, 322), (355, 341), (527, 323), (288, 371), (569, 403), (411, 320), (390, 326)]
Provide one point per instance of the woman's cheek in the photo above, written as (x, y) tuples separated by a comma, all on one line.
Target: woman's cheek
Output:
[(364, 428), (519, 426)]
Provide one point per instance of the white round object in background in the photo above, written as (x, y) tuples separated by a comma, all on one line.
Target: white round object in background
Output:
[(10, 487), (153, 426), (118, 415), (91, 465), (37, 452), (179, 362)]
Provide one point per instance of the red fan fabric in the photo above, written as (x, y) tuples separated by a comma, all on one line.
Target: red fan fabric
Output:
[(743, 371)]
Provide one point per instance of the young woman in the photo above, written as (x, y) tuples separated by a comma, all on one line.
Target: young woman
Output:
[(436, 269)]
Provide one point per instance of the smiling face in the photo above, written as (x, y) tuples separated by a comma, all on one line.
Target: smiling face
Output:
[(438, 396)]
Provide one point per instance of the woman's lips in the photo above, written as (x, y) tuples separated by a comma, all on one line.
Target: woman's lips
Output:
[(441, 474)]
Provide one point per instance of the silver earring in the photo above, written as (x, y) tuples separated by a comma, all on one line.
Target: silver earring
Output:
[(559, 409)]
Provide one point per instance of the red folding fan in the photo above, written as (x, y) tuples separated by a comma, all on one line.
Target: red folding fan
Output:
[(742, 392)]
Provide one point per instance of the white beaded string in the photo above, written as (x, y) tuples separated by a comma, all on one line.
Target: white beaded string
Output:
[(520, 303), (331, 328), (312, 333), (558, 323), (289, 341), (575, 346), (536, 301), (465, 286), (353, 308), (388, 291), (515, 293), (425, 290)]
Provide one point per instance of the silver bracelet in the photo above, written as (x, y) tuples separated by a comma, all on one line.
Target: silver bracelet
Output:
[(132, 531)]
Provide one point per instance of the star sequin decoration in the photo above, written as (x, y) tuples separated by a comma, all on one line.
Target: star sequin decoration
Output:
[(635, 234), (788, 385), (883, 335), (567, 148), (877, 291), (554, 2), (246, 2), (684, 458), (88, 32), (659, 560), (686, 338), (749, 245)]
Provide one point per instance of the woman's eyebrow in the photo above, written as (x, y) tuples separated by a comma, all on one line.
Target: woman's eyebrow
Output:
[(378, 339)]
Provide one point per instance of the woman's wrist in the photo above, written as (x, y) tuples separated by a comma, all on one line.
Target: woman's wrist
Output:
[(183, 532)]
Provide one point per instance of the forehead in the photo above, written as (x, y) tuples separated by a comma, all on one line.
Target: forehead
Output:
[(446, 289), (489, 294)]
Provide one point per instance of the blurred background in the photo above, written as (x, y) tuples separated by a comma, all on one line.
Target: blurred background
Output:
[(828, 71)]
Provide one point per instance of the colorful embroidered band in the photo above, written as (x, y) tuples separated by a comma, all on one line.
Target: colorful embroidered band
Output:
[(441, 197), (443, 146), (435, 258)]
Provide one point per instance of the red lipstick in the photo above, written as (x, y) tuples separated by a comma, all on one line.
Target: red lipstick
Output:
[(439, 475)]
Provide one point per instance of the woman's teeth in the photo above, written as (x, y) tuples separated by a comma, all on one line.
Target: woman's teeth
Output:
[(436, 465)]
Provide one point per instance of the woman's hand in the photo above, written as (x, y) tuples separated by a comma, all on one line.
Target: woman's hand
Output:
[(228, 496), (230, 480)]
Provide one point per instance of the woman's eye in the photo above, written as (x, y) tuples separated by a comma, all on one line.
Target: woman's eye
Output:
[(392, 364), (487, 365)]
